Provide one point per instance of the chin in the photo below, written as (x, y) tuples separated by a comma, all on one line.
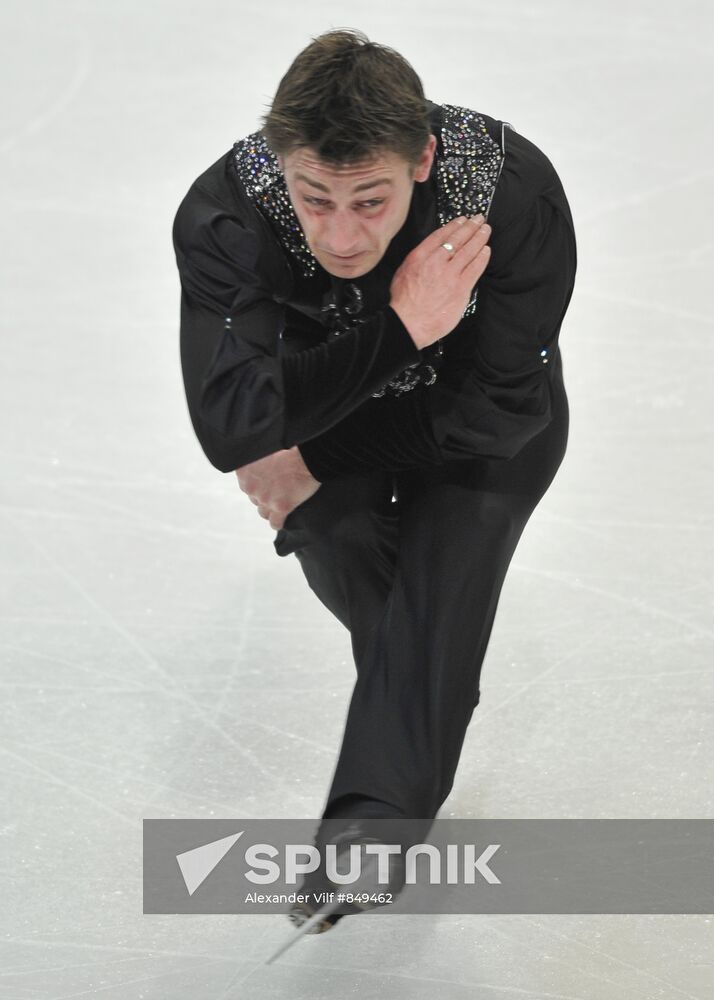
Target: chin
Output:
[(363, 265)]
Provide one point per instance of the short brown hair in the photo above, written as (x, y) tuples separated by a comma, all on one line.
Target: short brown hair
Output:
[(349, 99)]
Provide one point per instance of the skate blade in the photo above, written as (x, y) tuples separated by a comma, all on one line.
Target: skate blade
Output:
[(304, 929)]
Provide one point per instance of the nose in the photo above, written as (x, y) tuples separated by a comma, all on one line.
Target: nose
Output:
[(340, 235)]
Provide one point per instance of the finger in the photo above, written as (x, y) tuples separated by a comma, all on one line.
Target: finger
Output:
[(475, 239), (472, 246), (455, 232), (468, 240), (477, 265)]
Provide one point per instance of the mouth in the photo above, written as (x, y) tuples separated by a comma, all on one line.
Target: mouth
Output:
[(353, 256)]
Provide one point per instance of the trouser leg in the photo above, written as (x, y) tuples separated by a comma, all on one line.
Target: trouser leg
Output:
[(418, 681), (421, 623)]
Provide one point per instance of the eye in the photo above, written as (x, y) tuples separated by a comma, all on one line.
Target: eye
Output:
[(372, 203)]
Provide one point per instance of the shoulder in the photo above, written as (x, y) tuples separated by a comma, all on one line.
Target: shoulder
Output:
[(211, 219), (217, 223), (207, 200), (527, 175), (484, 164)]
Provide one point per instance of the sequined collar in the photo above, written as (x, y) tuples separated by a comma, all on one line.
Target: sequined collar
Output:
[(468, 163)]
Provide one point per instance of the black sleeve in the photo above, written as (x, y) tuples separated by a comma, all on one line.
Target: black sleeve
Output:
[(247, 399), (491, 395)]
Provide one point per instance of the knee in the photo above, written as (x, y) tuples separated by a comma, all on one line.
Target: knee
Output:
[(350, 532)]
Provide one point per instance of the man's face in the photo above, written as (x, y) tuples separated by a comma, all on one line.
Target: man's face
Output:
[(355, 211)]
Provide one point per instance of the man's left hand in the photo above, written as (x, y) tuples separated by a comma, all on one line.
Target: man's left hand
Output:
[(277, 484)]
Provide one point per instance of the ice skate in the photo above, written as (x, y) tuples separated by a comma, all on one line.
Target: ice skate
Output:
[(310, 920), (302, 911)]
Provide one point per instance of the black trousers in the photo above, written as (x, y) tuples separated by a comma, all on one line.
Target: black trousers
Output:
[(417, 583)]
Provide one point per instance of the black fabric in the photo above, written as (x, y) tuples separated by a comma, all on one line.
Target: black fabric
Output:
[(417, 583), (269, 379)]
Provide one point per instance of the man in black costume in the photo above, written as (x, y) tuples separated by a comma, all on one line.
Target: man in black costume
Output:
[(381, 368)]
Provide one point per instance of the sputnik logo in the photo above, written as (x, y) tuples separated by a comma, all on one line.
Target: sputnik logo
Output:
[(198, 863)]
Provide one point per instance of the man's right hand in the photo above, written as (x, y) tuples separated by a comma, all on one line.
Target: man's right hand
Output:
[(432, 286)]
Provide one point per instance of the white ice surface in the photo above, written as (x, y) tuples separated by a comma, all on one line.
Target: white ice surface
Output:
[(160, 660)]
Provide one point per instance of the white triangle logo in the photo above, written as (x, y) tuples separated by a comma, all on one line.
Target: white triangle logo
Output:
[(198, 863)]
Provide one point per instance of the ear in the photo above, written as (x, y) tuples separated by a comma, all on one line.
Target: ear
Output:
[(427, 158)]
